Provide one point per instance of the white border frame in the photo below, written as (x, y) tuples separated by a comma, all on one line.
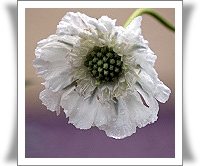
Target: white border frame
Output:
[(22, 5)]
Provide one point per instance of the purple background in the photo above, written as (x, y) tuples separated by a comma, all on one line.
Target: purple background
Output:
[(48, 135)]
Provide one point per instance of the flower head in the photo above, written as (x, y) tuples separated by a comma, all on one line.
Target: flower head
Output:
[(100, 74)]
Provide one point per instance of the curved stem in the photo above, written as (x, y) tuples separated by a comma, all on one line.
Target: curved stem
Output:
[(139, 12)]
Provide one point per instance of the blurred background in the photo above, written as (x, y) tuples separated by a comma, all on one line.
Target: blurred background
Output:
[(48, 135)]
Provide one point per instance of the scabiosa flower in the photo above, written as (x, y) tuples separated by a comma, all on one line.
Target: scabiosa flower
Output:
[(100, 74)]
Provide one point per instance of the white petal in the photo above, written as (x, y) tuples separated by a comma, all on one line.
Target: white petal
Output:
[(76, 24), (146, 60), (123, 125), (162, 92), (85, 87), (146, 82), (107, 22), (55, 51), (57, 74), (53, 64), (69, 24), (83, 113), (74, 19), (70, 101), (60, 81), (48, 70), (104, 114), (41, 43), (99, 26), (83, 116), (154, 87), (51, 100), (134, 26), (151, 106)]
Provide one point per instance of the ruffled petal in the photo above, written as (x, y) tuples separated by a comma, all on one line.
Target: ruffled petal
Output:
[(134, 27), (70, 101), (101, 29), (121, 126), (81, 111), (104, 113), (48, 70), (60, 81), (147, 107), (108, 23), (146, 60), (51, 100), (70, 24), (102, 116), (76, 24), (154, 88), (54, 51), (131, 112), (162, 92), (84, 113), (83, 117), (53, 63)]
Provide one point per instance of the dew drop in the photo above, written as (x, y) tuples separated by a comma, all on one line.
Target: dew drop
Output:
[(114, 119), (122, 111)]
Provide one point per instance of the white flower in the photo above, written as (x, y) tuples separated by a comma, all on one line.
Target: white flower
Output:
[(100, 74)]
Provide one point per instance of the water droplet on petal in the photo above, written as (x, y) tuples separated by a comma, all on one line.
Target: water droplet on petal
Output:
[(114, 119), (122, 111)]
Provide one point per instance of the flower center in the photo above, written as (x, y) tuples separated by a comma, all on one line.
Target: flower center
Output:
[(104, 65)]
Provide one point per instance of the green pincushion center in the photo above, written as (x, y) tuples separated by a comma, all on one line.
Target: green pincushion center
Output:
[(104, 64)]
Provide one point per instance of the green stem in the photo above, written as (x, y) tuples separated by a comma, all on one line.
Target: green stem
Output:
[(139, 12)]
